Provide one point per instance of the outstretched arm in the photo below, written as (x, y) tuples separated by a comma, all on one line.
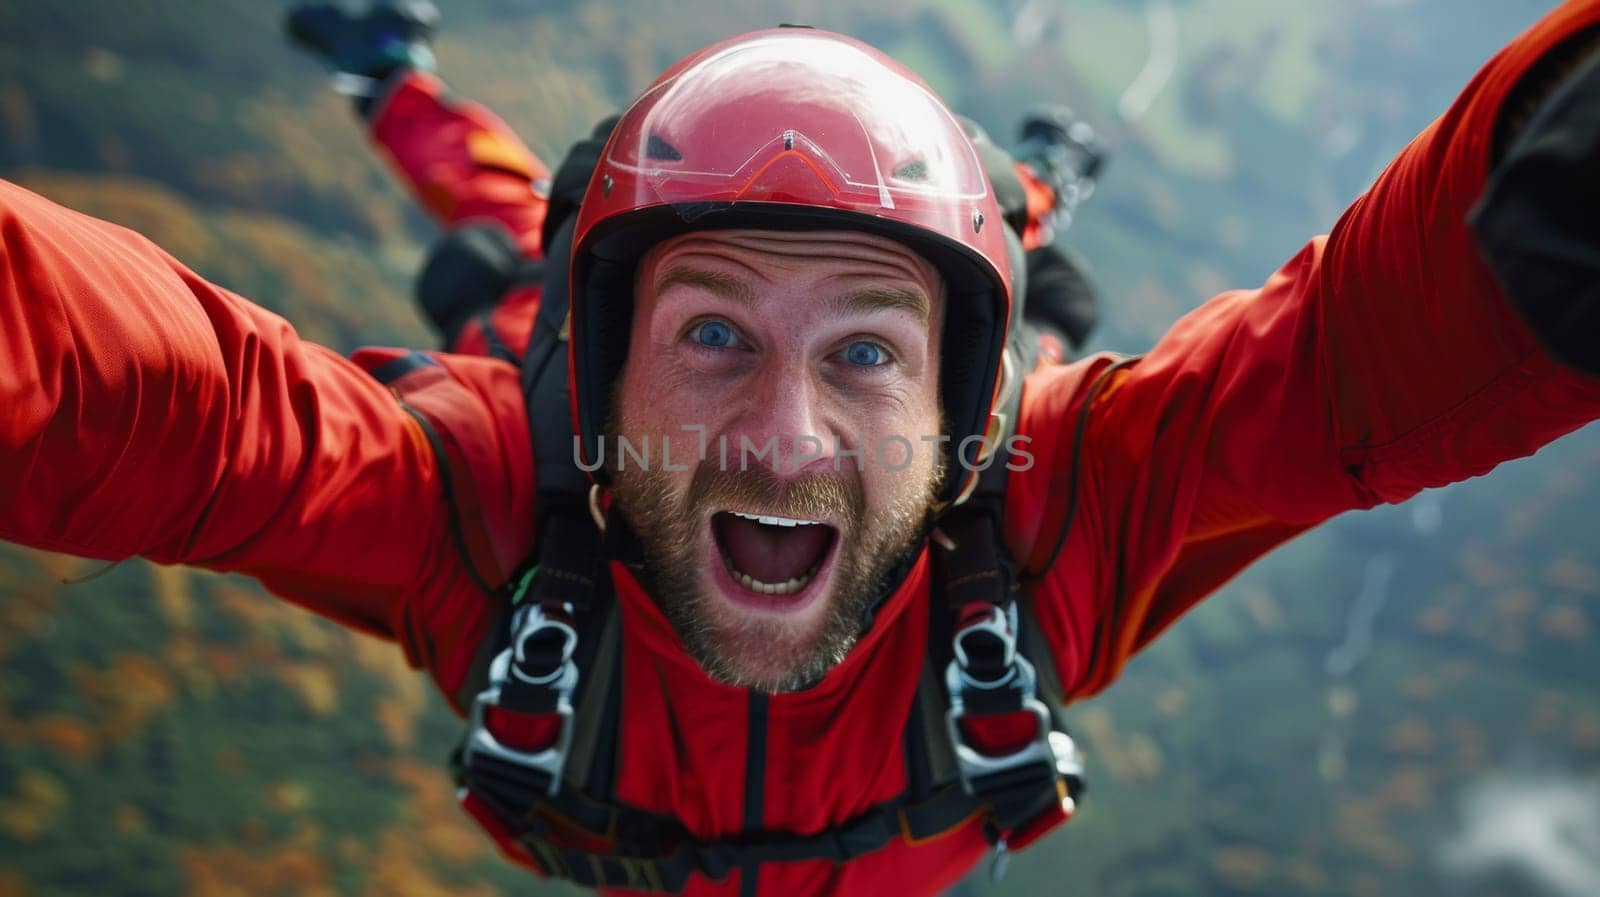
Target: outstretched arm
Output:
[(1383, 359), (461, 162), (146, 412)]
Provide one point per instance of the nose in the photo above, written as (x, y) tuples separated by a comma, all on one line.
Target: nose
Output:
[(783, 426)]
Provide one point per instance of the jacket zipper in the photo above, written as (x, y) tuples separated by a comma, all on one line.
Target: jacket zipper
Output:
[(755, 772)]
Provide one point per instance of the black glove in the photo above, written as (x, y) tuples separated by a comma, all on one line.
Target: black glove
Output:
[(1063, 151), (1538, 222), (367, 48)]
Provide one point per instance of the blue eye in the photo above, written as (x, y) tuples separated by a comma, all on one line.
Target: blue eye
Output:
[(715, 334), (866, 354)]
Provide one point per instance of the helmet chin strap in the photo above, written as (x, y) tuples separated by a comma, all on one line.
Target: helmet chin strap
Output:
[(597, 507)]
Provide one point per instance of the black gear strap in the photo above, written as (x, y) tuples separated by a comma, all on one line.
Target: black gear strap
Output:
[(651, 852)]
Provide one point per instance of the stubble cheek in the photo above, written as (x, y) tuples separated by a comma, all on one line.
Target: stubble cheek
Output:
[(669, 400), (906, 449)]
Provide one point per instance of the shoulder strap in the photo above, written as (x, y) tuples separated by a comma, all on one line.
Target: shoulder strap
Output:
[(562, 592), (997, 690), (546, 675), (560, 483)]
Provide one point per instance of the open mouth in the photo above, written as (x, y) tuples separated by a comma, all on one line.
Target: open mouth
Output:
[(770, 555)]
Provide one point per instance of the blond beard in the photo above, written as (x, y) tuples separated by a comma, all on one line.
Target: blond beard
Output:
[(671, 530)]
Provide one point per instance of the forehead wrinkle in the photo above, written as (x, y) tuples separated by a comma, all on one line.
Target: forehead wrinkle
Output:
[(804, 252), (677, 266), (801, 247)]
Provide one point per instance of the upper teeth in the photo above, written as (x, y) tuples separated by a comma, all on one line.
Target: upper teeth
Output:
[(774, 521)]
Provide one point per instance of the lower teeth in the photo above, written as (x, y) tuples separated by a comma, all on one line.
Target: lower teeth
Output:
[(768, 588)]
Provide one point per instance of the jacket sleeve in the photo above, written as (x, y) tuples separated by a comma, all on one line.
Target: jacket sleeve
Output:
[(461, 162), (144, 411), (1381, 360)]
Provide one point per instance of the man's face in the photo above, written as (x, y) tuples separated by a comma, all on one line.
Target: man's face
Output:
[(777, 353)]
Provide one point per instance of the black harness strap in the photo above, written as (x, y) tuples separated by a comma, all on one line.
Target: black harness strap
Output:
[(599, 682), (647, 848), (561, 483), (1010, 751), (491, 336)]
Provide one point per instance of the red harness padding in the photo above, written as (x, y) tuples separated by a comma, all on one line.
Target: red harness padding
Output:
[(531, 732), (1000, 734)]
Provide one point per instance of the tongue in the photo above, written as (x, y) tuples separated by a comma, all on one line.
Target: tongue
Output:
[(771, 554)]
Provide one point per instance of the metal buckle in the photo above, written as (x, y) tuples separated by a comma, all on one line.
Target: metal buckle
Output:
[(530, 621), (972, 764), (1002, 623), (563, 680), (1054, 749)]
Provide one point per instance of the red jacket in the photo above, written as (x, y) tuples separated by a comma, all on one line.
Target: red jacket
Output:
[(146, 412)]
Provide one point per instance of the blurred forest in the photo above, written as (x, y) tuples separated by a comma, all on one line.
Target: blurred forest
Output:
[(1402, 702)]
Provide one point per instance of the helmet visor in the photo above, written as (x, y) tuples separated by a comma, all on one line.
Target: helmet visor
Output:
[(792, 118)]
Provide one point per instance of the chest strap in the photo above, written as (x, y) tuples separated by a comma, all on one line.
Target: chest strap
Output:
[(604, 844)]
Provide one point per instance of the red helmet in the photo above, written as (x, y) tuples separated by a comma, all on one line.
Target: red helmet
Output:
[(792, 129)]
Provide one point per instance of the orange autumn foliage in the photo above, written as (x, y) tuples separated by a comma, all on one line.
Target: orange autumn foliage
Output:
[(37, 805), (437, 822), (400, 870), (126, 694), (231, 872), (64, 735)]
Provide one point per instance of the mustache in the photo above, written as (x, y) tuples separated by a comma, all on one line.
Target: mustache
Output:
[(817, 496)]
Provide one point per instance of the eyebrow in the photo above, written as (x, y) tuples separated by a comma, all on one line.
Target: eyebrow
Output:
[(725, 285), (729, 287), (884, 299)]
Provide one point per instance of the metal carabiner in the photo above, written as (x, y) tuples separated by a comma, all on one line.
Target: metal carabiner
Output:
[(563, 680)]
